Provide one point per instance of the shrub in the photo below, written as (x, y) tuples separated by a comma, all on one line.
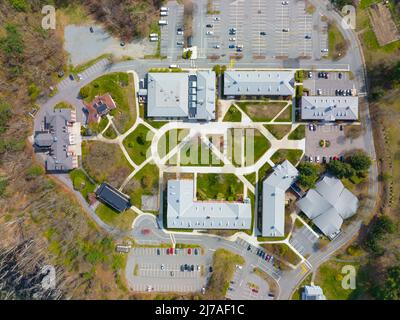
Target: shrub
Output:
[(360, 161)]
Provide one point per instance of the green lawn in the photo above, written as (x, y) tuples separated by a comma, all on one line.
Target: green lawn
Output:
[(235, 146), (285, 116), (336, 42), (233, 115), (261, 145), (110, 133), (138, 143), (81, 183), (214, 186), (121, 220), (282, 251), (196, 153), (82, 67), (299, 133), (293, 155), (329, 278), (145, 182), (170, 140), (264, 170), (278, 131), (251, 177), (261, 111), (121, 87)]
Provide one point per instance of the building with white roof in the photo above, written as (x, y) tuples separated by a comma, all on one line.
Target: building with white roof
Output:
[(259, 83), (329, 108), (328, 205), (182, 95), (273, 199), (185, 212), (312, 292)]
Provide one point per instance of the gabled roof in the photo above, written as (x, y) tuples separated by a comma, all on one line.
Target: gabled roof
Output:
[(329, 108), (184, 211), (273, 205), (265, 83), (100, 106), (328, 205), (112, 197), (313, 293)]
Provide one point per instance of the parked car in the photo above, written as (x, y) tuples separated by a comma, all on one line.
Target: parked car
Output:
[(182, 268), (210, 269), (189, 251), (231, 46), (162, 267), (209, 33), (324, 50), (271, 295), (317, 159), (122, 44), (254, 290), (285, 30), (196, 251), (340, 75), (198, 268), (217, 46), (263, 33), (249, 248), (310, 75), (167, 251), (239, 49), (91, 30), (319, 92), (171, 273), (192, 267), (232, 39), (209, 25), (323, 159), (217, 19), (158, 252), (179, 43), (285, 3), (71, 76), (307, 36)]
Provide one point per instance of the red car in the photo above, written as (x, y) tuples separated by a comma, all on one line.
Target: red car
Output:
[(189, 251), (167, 250), (254, 290), (171, 251)]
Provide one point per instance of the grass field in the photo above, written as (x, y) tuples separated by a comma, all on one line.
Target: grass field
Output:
[(282, 251), (292, 155), (298, 134), (120, 86), (336, 42), (213, 186), (81, 183), (110, 133), (122, 221), (138, 143), (169, 140), (63, 105), (278, 131), (233, 115), (105, 162), (145, 182), (261, 145), (261, 111), (197, 153)]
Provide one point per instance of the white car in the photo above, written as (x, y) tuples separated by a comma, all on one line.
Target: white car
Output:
[(79, 76), (162, 267), (179, 43), (232, 39), (285, 3), (317, 159), (319, 92), (179, 33), (209, 33), (217, 19), (217, 46), (324, 50)]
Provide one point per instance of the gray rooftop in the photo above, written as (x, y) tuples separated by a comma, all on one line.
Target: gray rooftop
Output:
[(329, 108), (184, 212), (273, 202), (60, 139), (313, 293), (259, 83), (328, 205), (181, 95)]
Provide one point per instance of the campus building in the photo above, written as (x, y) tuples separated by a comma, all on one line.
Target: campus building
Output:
[(273, 199), (181, 95), (312, 293), (259, 83), (99, 107), (328, 205), (113, 198), (60, 140), (329, 108), (185, 212)]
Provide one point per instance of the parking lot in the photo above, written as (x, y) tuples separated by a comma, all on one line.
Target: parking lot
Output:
[(338, 143), (304, 241), (327, 87), (156, 270), (246, 285), (269, 28), (169, 38)]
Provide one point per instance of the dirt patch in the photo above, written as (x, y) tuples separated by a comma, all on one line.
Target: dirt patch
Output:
[(261, 112), (383, 24)]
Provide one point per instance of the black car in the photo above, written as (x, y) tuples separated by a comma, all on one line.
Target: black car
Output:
[(60, 74), (249, 248), (210, 269), (192, 268), (196, 252), (231, 46), (262, 33), (209, 25), (182, 268), (340, 75), (186, 267), (91, 29), (122, 44), (158, 252)]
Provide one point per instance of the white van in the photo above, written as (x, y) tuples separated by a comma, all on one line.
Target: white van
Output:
[(163, 22), (163, 13), (153, 35), (173, 66), (164, 9), (153, 39)]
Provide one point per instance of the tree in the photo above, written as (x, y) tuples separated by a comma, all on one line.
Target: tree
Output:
[(5, 115), (390, 290), (308, 174), (340, 169), (360, 161)]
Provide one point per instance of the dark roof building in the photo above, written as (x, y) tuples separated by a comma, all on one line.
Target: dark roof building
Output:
[(113, 198), (60, 139), (100, 106)]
